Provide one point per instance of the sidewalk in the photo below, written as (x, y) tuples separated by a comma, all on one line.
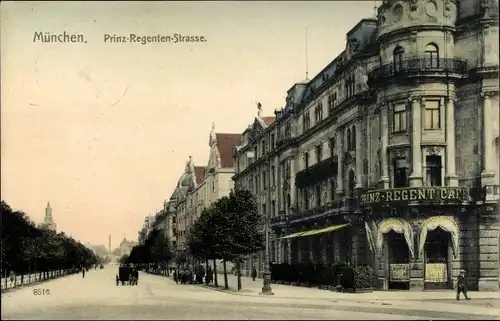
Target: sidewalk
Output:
[(30, 279), (251, 288)]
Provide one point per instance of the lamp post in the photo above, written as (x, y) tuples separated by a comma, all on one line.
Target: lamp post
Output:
[(266, 286)]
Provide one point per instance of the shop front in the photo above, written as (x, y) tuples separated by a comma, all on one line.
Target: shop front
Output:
[(414, 235)]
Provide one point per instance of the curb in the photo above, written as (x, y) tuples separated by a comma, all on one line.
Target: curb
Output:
[(203, 286)]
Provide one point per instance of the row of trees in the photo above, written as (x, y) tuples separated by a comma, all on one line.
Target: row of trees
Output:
[(26, 248), (156, 249), (228, 230)]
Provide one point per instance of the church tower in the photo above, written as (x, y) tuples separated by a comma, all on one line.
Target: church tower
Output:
[(48, 221)]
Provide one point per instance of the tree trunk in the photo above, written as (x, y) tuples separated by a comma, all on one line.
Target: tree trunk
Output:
[(238, 271), (216, 284), (226, 286), (22, 279)]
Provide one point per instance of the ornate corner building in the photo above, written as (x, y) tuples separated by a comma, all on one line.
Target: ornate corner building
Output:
[(390, 155)]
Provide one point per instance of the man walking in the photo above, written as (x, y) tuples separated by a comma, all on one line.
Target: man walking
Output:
[(254, 273), (461, 285)]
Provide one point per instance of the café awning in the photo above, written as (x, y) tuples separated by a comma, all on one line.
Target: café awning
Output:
[(293, 235), (330, 228)]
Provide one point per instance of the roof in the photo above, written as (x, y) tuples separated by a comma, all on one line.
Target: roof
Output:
[(225, 144), (199, 173), (268, 120)]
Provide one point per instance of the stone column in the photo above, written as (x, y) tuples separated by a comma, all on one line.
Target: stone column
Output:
[(451, 177), (384, 139), (340, 164), (488, 173), (416, 133), (359, 154)]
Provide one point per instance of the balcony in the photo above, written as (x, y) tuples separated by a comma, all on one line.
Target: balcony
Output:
[(316, 173), (419, 66)]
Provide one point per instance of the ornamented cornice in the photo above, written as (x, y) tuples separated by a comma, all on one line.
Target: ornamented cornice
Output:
[(413, 98), (489, 94)]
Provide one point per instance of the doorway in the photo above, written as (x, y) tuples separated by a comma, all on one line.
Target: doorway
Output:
[(437, 260), (398, 261)]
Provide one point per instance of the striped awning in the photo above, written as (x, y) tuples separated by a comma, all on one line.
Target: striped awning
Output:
[(317, 231)]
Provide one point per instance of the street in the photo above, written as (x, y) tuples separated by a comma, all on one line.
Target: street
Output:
[(157, 297)]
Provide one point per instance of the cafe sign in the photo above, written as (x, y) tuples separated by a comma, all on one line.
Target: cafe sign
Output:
[(416, 194)]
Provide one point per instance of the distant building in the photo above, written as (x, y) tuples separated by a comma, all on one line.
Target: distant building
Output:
[(126, 246), (48, 221)]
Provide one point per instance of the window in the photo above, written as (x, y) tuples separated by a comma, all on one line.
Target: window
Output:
[(400, 166), (288, 130), (352, 182), (255, 153), (432, 115), (433, 170), (306, 198), (273, 208), (318, 112), (431, 56), (353, 138), (332, 189), (331, 143), (306, 120), (264, 147), (272, 141), (348, 139), (264, 209), (264, 182), (306, 160), (273, 177), (398, 58), (399, 118), (317, 197), (319, 153)]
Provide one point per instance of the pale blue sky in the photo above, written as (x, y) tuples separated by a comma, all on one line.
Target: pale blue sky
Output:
[(104, 165)]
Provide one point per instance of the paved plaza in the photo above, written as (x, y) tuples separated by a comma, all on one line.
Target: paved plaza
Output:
[(158, 297)]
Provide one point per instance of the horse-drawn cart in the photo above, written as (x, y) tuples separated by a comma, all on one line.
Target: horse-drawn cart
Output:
[(127, 275)]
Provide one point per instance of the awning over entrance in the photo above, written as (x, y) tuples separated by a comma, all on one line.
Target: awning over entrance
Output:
[(397, 225), (317, 231), (446, 223)]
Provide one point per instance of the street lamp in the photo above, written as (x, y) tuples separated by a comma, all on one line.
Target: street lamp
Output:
[(266, 286)]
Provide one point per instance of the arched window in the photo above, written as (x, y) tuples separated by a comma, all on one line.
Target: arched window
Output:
[(431, 56), (353, 138), (348, 136), (398, 54)]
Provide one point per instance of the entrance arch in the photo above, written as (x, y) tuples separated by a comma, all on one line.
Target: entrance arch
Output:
[(395, 248), (438, 244)]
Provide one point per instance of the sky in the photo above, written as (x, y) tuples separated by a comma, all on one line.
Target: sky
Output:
[(102, 130)]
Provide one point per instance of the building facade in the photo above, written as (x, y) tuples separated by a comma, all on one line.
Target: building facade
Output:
[(200, 186), (390, 155)]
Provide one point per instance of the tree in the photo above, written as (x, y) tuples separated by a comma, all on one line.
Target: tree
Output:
[(26, 248), (246, 232)]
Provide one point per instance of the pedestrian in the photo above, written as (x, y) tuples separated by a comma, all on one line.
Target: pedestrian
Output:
[(462, 285), (176, 279), (254, 273), (12, 277), (83, 273)]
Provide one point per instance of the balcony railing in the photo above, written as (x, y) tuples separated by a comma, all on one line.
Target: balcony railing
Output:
[(419, 65), (318, 172)]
